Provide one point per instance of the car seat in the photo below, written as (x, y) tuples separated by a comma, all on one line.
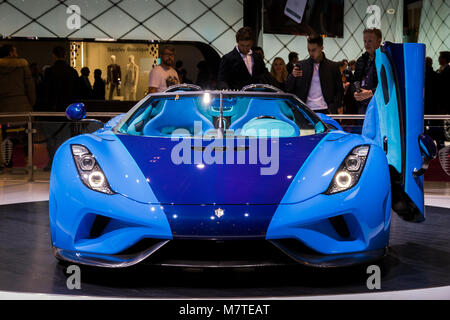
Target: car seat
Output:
[(177, 114), (258, 107)]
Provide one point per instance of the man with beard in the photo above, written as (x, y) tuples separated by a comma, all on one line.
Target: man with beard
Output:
[(164, 75)]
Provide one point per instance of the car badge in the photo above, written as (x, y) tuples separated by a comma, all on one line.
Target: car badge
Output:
[(219, 212)]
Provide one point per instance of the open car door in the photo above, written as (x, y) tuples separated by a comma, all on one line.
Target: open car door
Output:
[(394, 119)]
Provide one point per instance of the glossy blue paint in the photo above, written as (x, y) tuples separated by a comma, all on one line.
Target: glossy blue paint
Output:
[(396, 124), (123, 174), (315, 176), (76, 111), (158, 197), (329, 120), (365, 207), (72, 203), (237, 222), (384, 121), (371, 127), (114, 121), (208, 183), (427, 147), (414, 55)]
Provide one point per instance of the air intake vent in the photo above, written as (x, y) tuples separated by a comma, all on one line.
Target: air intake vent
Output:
[(98, 226), (340, 226)]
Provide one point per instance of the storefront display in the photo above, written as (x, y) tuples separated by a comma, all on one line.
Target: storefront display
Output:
[(131, 79), (125, 66)]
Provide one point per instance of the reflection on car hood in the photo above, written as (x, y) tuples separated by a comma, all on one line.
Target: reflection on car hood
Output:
[(195, 183)]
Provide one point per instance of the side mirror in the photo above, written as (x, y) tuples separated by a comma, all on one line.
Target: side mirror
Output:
[(331, 123), (427, 147), (428, 151), (114, 121), (444, 159), (76, 112)]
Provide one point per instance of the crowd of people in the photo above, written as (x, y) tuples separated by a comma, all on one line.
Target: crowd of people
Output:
[(25, 88), (327, 86), (333, 87)]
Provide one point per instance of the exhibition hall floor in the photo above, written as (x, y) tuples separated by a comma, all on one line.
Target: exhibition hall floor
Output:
[(416, 266)]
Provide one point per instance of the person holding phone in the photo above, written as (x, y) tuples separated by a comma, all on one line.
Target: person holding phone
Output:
[(317, 80)]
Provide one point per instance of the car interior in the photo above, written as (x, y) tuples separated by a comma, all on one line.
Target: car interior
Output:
[(242, 116)]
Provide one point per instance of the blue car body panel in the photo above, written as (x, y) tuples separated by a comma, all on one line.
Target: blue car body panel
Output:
[(315, 176), (217, 183), (394, 117), (72, 204), (329, 120), (155, 197), (366, 210), (238, 221), (413, 117)]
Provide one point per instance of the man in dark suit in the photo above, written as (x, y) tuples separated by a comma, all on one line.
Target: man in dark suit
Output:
[(293, 59), (85, 86), (60, 82), (317, 80), (241, 67), (365, 70)]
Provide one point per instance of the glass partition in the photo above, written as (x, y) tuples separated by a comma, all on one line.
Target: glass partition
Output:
[(21, 162)]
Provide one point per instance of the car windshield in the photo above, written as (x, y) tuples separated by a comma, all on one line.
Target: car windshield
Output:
[(208, 113)]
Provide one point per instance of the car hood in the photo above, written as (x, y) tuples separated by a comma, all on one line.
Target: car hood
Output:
[(200, 182)]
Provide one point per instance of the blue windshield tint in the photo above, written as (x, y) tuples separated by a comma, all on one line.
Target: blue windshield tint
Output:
[(246, 115)]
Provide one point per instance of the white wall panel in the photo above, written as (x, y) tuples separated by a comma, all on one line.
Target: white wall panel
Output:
[(434, 28), (211, 21)]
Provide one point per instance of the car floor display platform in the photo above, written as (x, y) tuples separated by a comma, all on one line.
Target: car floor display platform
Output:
[(418, 258)]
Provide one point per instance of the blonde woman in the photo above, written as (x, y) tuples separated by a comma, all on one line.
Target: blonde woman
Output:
[(279, 73)]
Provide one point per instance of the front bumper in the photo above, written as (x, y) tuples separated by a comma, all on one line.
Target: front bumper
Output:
[(96, 229), (175, 255)]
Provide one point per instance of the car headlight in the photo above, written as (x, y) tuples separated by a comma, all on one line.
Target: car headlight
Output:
[(89, 170), (350, 170)]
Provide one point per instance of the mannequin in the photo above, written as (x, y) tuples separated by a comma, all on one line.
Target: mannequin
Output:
[(114, 77), (131, 79)]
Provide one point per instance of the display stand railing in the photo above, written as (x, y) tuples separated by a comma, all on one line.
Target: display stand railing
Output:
[(27, 119)]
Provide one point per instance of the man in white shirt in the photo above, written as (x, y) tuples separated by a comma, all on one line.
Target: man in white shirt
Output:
[(163, 76)]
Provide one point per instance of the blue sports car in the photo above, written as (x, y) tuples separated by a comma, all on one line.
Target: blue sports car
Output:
[(243, 178)]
